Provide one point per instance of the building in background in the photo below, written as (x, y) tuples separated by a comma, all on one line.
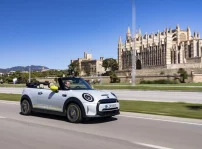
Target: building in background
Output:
[(171, 49), (90, 66)]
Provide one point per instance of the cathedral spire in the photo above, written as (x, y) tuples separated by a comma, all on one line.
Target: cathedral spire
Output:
[(139, 32), (120, 42), (188, 28), (128, 32), (194, 34), (178, 27), (198, 35), (170, 30), (166, 30)]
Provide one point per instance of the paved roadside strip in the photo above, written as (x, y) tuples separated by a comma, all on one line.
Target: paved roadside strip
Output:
[(156, 96), (169, 119), (150, 117), (136, 131)]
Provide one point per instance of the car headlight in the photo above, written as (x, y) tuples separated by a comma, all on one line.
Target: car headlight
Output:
[(88, 97)]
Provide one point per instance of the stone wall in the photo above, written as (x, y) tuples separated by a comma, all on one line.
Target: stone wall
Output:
[(196, 78), (193, 77), (124, 79), (185, 66), (157, 71)]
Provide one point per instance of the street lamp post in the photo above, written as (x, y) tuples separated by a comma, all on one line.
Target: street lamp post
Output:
[(29, 73), (133, 49)]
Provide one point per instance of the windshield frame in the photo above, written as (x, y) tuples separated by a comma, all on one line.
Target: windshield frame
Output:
[(62, 86)]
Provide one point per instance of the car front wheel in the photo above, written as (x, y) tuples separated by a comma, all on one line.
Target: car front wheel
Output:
[(74, 114), (25, 107)]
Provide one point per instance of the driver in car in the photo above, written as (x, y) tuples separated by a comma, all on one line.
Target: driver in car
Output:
[(67, 85)]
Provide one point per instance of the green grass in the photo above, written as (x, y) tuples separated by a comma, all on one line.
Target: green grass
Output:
[(159, 108), (180, 84), (163, 87), (12, 85), (149, 87), (128, 84), (10, 97), (185, 110)]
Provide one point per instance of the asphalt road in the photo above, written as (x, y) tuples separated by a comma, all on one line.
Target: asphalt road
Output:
[(127, 131), (164, 96)]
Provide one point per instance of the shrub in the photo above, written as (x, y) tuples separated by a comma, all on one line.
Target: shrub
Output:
[(107, 73), (162, 73), (183, 75), (114, 78), (161, 81)]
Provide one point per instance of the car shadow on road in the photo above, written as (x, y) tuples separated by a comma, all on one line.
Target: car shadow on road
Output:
[(47, 116), (63, 118), (99, 120)]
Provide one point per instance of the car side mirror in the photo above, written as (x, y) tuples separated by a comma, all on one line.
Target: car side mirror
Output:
[(54, 88)]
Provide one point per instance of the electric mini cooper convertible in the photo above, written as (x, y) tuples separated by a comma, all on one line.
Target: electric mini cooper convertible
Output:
[(73, 97)]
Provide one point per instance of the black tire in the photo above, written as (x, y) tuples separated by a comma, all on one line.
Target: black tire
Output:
[(26, 107), (74, 113)]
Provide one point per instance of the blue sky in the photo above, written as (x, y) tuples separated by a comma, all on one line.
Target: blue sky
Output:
[(52, 32)]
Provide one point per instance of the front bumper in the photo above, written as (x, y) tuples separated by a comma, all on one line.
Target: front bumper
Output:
[(108, 113), (104, 108)]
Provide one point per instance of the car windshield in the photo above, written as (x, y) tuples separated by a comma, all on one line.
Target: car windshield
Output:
[(75, 84)]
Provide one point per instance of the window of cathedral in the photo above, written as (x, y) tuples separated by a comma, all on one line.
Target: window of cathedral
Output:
[(201, 50), (179, 58), (171, 56), (179, 47), (189, 51), (197, 47), (175, 39)]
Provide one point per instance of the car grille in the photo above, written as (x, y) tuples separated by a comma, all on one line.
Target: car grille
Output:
[(110, 100), (109, 113)]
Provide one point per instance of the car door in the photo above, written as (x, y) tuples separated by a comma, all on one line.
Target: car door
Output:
[(49, 100), (33, 95)]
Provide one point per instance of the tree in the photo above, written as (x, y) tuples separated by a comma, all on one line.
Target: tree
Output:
[(87, 69), (111, 64), (114, 78), (183, 75), (74, 68)]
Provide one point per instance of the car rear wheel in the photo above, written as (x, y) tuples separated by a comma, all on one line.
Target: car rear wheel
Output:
[(74, 114), (25, 107)]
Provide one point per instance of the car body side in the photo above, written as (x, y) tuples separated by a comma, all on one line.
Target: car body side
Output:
[(48, 101)]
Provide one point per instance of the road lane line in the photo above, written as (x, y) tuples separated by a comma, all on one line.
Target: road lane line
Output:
[(10, 102), (180, 122), (2, 117), (152, 146), (136, 117)]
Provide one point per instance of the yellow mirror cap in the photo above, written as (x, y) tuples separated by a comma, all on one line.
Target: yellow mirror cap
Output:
[(54, 87)]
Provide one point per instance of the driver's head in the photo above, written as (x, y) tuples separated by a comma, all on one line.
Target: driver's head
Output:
[(67, 84)]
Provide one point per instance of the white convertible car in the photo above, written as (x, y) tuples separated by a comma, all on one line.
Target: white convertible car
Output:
[(74, 98)]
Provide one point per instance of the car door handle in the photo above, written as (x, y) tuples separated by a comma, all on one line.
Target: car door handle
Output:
[(64, 95), (40, 93)]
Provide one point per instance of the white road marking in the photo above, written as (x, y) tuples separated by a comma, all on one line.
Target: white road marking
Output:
[(2, 117), (152, 146), (136, 117), (10, 102), (180, 122)]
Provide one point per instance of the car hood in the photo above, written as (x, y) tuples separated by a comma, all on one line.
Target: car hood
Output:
[(97, 94)]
